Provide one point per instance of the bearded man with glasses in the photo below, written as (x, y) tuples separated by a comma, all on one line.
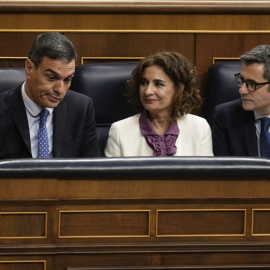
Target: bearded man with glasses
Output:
[(241, 127)]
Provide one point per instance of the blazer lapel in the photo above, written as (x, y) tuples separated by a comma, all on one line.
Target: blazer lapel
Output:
[(59, 122), (249, 130), (20, 117)]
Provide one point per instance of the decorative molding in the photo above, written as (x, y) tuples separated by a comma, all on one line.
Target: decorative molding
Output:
[(60, 235), (12, 58), (201, 211), (137, 6), (265, 219), (178, 267), (109, 58), (134, 31), (26, 213), (25, 261), (223, 59)]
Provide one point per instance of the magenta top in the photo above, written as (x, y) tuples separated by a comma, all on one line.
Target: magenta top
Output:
[(163, 145)]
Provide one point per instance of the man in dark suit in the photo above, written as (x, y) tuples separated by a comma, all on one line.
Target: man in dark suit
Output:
[(237, 124), (70, 125)]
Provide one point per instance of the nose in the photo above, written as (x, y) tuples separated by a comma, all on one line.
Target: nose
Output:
[(148, 89), (243, 89), (59, 87)]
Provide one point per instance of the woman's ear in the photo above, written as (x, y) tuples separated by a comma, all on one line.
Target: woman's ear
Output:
[(181, 88)]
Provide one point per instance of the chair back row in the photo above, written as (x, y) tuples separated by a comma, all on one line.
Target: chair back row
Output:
[(105, 84), (221, 86)]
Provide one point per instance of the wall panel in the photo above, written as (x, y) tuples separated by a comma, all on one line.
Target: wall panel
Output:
[(130, 22), (223, 45), (131, 44), (22, 265), (199, 47), (16, 44), (200, 30)]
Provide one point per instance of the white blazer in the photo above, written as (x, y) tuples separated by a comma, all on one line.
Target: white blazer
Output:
[(125, 138)]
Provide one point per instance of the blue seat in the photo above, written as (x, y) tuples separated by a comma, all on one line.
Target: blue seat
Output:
[(10, 78), (221, 86), (105, 84)]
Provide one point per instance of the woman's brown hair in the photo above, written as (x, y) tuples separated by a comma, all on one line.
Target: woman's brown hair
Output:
[(180, 71)]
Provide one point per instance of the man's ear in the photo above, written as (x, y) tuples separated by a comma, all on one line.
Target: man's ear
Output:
[(28, 68)]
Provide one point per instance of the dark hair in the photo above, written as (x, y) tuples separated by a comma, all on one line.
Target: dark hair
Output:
[(180, 71), (261, 55), (52, 45)]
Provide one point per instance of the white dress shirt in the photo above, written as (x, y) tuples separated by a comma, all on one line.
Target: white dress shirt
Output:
[(258, 130)]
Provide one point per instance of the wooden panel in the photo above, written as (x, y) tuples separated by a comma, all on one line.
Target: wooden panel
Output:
[(217, 60), (137, 45), (225, 45), (131, 45), (16, 44), (144, 188), (133, 22), (23, 225), (90, 60), (201, 222), (12, 61), (113, 211), (168, 259), (199, 49), (193, 267), (137, 6), (27, 189), (101, 45), (76, 224), (261, 222), (209, 46), (22, 265)]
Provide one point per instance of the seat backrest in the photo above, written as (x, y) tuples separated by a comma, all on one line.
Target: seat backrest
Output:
[(221, 86), (105, 84), (10, 78)]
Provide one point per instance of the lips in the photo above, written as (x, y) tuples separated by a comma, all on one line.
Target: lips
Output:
[(243, 99), (149, 100), (54, 98)]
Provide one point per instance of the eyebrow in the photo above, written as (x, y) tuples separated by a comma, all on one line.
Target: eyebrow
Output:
[(56, 74), (159, 80), (155, 80), (250, 80)]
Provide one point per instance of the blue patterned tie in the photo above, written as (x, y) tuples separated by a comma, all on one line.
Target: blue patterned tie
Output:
[(43, 141), (265, 137)]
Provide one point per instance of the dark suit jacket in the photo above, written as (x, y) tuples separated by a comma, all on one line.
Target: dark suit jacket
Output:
[(234, 131), (74, 129)]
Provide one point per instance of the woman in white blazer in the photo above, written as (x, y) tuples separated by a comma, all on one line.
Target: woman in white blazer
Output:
[(164, 87)]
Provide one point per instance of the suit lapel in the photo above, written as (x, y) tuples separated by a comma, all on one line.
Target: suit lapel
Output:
[(20, 118), (59, 122), (249, 130)]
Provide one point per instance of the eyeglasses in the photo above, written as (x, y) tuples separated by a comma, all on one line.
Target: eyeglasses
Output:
[(251, 86)]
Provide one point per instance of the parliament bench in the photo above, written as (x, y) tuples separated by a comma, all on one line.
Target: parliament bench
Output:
[(135, 213)]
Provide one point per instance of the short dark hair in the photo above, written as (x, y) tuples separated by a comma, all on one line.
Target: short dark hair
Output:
[(182, 73), (261, 55), (52, 45)]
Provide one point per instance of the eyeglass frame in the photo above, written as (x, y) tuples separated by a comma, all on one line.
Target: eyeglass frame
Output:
[(245, 81)]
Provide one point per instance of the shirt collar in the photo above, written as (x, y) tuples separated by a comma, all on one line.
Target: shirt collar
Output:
[(32, 108), (147, 128), (258, 116)]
